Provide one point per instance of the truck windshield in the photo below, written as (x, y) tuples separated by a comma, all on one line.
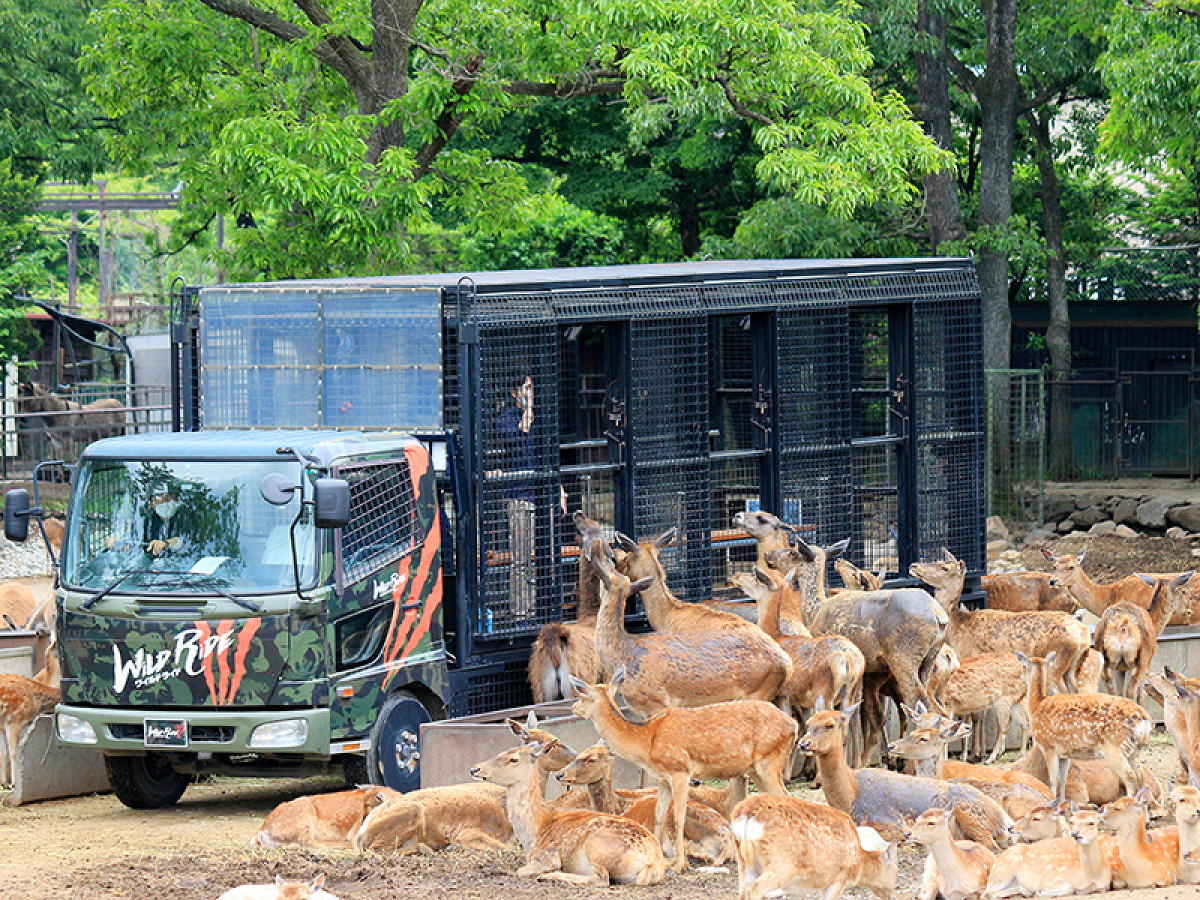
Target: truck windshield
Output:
[(134, 522)]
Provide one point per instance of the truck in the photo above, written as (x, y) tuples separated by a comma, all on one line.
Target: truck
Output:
[(363, 516)]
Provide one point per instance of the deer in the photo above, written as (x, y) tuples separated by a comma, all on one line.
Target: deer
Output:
[(1054, 867), (575, 846), (563, 649), (954, 870), (17, 606), (667, 670), (721, 740), (887, 800), (665, 611), (554, 756), (786, 844), (899, 632), (856, 579), (1040, 824), (1179, 699), (1084, 726), (975, 632), (282, 889), (1026, 592), (1096, 597), (22, 700), (318, 821), (1186, 798), (460, 815), (706, 830), (1127, 634), (988, 681), (1147, 859), (1092, 781)]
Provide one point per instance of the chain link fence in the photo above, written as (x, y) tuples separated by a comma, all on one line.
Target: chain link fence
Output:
[(1016, 448)]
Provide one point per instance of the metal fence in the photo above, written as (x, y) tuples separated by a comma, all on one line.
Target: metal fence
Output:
[(1016, 466)]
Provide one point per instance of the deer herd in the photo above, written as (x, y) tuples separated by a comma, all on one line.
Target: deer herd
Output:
[(799, 673)]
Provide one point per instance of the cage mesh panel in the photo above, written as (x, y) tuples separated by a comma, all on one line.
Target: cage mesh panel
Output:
[(503, 689), (949, 417), (876, 509), (381, 527), (518, 595), (732, 384), (669, 447), (735, 488)]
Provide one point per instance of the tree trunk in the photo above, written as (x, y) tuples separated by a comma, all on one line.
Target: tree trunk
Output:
[(933, 106), (1058, 334)]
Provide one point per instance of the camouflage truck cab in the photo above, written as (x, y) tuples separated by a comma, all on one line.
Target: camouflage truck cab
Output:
[(210, 619)]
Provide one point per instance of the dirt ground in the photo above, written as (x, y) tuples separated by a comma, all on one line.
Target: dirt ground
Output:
[(90, 848)]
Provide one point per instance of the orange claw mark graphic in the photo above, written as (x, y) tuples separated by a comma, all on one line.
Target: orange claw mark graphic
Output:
[(245, 639)]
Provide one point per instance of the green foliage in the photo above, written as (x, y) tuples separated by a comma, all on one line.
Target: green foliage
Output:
[(553, 234), (21, 261)]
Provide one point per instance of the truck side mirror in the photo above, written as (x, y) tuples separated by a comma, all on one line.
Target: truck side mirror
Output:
[(16, 515), (331, 503)]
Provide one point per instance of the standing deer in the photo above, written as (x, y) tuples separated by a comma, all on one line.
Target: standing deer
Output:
[(1096, 597), (720, 740), (576, 846), (981, 683), (1127, 635)]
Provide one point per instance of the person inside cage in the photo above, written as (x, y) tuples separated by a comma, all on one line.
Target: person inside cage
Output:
[(514, 426)]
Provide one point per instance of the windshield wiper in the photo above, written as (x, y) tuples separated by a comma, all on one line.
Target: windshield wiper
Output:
[(214, 585), (105, 591)]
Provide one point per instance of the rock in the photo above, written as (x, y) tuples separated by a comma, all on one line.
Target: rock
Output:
[(1177, 533), (1124, 531), (1090, 498), (1105, 527), (995, 548), (1055, 509), (1153, 513), (1125, 510), (1086, 518), (997, 530), (1186, 516), (1039, 535), (1066, 526)]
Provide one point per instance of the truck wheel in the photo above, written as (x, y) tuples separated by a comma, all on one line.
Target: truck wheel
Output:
[(145, 782), (394, 757)]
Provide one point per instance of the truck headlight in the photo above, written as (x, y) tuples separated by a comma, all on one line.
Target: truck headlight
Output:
[(273, 735), (74, 730)]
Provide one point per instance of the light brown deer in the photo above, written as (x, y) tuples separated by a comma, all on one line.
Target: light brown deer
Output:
[(1055, 867), (786, 844), (461, 815), (954, 870), (1180, 701), (1147, 859), (1096, 597), (563, 649), (319, 821), (706, 831), (981, 683), (1026, 592), (721, 740), (21, 701), (856, 579), (282, 889), (667, 670), (1092, 781), (1040, 824), (1127, 635), (553, 757), (1084, 726), (17, 606), (769, 533), (1186, 798), (576, 846), (665, 611), (1087, 673), (885, 800), (975, 632)]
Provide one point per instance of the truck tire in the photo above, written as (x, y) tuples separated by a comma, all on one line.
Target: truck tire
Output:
[(394, 757), (145, 782)]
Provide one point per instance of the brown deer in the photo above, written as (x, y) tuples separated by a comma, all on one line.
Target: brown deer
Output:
[(282, 889), (975, 632), (954, 870), (888, 800), (1026, 592), (769, 533), (667, 669), (794, 845), (553, 757), (460, 815), (318, 821), (856, 579), (1186, 798), (576, 846), (1040, 824), (1096, 597), (721, 740), (981, 683), (1179, 698), (1127, 634), (565, 649), (21, 701), (1147, 859), (1084, 726), (706, 830), (1055, 867)]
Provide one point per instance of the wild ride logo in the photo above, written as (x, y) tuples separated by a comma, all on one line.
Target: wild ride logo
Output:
[(192, 647)]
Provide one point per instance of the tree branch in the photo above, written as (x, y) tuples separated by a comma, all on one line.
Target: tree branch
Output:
[(448, 120), (1045, 94), (738, 106), (965, 78), (343, 45), (591, 84)]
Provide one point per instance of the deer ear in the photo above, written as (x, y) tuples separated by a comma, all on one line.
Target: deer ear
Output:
[(851, 710), (1182, 579), (1024, 660), (667, 538), (1051, 656), (1146, 578), (1142, 796), (624, 542), (317, 883), (1082, 554), (806, 552), (763, 577), (582, 688), (835, 550), (618, 677), (1050, 556), (515, 727), (641, 584), (531, 720)]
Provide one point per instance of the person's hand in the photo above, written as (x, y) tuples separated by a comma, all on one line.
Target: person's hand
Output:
[(157, 547)]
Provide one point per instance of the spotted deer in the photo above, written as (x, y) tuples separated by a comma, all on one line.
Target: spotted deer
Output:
[(1187, 820), (991, 681), (1054, 867), (954, 870), (21, 701), (281, 889), (1147, 859)]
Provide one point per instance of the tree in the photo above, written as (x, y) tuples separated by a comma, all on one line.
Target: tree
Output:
[(21, 260), (331, 129)]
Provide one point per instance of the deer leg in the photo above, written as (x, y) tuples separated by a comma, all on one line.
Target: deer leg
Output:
[(834, 889), (1063, 670), (1003, 719), (1056, 768), (767, 774), (478, 839), (680, 789), (541, 862), (1125, 767), (660, 809)]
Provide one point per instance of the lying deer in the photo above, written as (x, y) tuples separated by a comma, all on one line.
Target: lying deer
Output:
[(1147, 859), (1180, 701), (1084, 726), (576, 846), (1054, 867), (21, 701), (720, 740), (554, 756), (975, 632), (1026, 592), (888, 800), (668, 670), (786, 844), (1040, 824), (954, 870), (318, 821), (460, 815), (282, 889), (1187, 820)]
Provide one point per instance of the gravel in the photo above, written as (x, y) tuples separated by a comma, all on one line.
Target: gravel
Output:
[(24, 560)]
